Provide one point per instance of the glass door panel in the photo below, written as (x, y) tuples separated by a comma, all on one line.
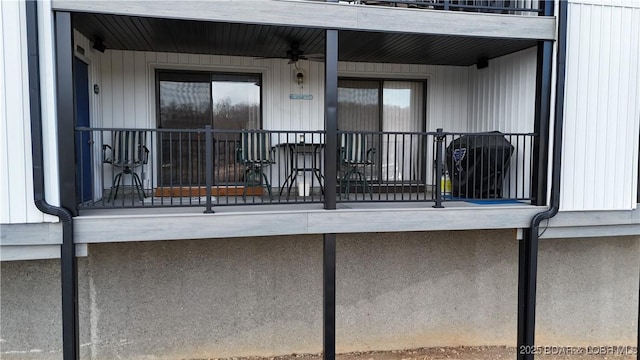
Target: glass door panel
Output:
[(236, 106), (192, 100), (184, 103), (359, 110), (402, 111)]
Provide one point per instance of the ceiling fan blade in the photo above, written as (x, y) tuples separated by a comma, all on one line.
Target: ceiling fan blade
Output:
[(315, 57), (268, 57)]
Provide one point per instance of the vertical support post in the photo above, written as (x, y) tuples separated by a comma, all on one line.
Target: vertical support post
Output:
[(331, 119), (542, 116), (527, 281), (439, 138), (330, 178), (522, 285), (65, 110), (66, 122), (329, 297), (208, 145)]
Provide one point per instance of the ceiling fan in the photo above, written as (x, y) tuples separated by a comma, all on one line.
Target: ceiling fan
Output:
[(294, 53)]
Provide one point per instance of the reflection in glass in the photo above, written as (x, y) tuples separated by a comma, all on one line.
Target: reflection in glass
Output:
[(399, 156), (236, 105), (402, 111), (192, 101)]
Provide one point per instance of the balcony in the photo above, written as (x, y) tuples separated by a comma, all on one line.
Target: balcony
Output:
[(210, 168), (161, 141)]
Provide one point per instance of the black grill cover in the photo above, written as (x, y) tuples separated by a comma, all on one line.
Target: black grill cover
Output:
[(477, 165)]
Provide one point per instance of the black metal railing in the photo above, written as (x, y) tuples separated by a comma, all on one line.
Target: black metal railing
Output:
[(384, 166), (127, 168), (131, 168), (489, 167), (514, 7)]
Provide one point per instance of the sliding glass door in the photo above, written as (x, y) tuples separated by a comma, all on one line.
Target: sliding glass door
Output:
[(395, 107), (192, 100), (402, 117)]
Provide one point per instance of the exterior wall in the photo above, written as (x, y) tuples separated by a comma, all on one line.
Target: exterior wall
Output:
[(502, 97), (128, 87), (16, 185), (128, 90), (602, 111), (394, 290), (16, 179)]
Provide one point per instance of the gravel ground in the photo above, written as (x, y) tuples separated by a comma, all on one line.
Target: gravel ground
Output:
[(463, 353)]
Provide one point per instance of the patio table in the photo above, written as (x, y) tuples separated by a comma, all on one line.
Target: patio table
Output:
[(298, 153)]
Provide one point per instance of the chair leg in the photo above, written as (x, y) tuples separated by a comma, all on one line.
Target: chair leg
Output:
[(117, 180), (320, 177), (367, 186), (362, 181), (293, 179), (138, 185), (267, 183), (247, 174), (347, 177)]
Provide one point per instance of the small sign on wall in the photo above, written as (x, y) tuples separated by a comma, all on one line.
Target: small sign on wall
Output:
[(300, 96)]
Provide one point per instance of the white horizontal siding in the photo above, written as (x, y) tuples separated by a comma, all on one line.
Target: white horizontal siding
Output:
[(602, 108), (16, 179)]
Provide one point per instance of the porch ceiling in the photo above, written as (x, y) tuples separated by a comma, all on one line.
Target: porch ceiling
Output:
[(198, 37)]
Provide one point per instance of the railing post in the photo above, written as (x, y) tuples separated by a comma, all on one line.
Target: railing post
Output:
[(208, 144), (439, 139)]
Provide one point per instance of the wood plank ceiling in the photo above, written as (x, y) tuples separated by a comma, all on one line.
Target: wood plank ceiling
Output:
[(181, 36)]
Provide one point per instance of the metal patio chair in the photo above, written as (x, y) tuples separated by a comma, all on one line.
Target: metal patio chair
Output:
[(355, 156), (127, 151), (255, 152)]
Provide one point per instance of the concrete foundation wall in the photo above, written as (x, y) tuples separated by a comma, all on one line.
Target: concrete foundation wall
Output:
[(263, 296)]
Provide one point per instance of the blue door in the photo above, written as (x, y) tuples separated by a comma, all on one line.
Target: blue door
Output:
[(84, 183)]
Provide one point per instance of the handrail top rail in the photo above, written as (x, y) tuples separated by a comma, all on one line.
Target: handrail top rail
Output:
[(322, 132)]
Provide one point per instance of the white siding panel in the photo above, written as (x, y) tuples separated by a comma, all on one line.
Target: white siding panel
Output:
[(618, 3), (48, 105), (127, 96), (502, 98), (602, 107), (16, 184)]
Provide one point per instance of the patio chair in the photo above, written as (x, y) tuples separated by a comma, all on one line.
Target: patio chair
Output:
[(355, 156), (255, 152), (128, 151)]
